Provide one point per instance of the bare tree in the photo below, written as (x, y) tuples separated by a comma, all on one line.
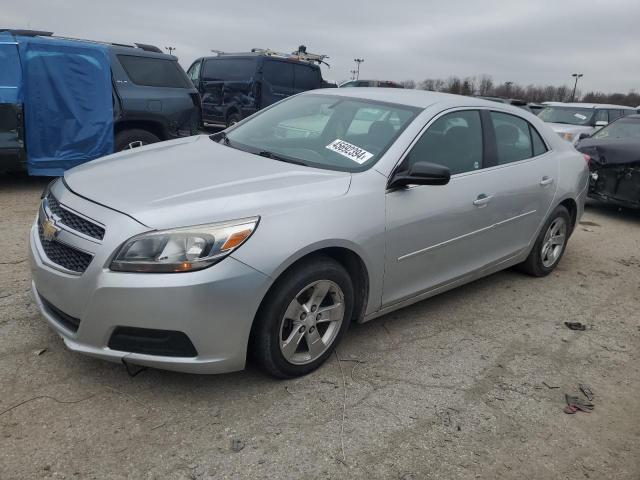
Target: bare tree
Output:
[(485, 86), (408, 84)]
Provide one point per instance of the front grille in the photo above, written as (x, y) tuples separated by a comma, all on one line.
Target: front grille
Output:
[(73, 221), (64, 255), (69, 322), (168, 343)]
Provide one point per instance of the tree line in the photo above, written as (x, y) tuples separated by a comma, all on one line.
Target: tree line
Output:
[(485, 86)]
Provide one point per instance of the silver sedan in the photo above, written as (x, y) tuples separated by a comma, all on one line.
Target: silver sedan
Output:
[(268, 239)]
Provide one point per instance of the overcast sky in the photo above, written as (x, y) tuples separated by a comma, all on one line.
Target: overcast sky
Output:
[(539, 42)]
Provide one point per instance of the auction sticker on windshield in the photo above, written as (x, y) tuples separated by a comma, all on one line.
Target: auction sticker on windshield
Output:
[(580, 116), (352, 152)]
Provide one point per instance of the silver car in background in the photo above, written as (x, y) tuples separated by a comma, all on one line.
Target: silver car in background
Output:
[(573, 120), (268, 239)]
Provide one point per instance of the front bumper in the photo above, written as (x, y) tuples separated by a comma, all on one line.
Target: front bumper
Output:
[(214, 307)]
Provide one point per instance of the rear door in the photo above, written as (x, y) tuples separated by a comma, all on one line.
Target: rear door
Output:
[(277, 81)]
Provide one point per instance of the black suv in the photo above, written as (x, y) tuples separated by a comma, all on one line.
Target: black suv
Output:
[(235, 85), (151, 97)]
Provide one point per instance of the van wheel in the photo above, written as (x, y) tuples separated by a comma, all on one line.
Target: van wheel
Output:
[(303, 318), (133, 138), (550, 244), (233, 119)]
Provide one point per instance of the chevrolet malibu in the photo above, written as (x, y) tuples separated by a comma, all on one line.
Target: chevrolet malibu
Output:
[(268, 239)]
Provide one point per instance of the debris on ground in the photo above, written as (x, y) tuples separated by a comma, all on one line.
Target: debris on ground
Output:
[(584, 388), (576, 403), (575, 326), (40, 351), (237, 445), (550, 386)]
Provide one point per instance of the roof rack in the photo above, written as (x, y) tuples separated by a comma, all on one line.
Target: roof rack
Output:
[(38, 33), (301, 55)]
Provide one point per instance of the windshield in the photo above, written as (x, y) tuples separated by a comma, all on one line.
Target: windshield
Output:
[(569, 115), (623, 128), (324, 131)]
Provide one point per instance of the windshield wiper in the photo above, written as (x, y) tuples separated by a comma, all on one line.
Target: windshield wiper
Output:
[(273, 156), (216, 137)]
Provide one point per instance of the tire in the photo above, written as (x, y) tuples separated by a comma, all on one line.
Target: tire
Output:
[(133, 138), (233, 119), (544, 257), (282, 316)]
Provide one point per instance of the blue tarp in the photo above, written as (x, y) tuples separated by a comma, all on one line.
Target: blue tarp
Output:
[(68, 105)]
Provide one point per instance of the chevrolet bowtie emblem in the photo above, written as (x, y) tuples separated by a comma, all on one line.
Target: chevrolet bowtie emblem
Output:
[(49, 230)]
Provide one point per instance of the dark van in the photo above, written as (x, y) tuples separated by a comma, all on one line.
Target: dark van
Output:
[(235, 85)]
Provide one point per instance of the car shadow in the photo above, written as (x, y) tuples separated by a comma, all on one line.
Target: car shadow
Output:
[(614, 211)]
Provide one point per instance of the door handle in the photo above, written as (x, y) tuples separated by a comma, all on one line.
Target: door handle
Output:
[(546, 181), (482, 200)]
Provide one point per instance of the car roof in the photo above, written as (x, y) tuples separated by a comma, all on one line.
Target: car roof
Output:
[(589, 105), (232, 56), (408, 97)]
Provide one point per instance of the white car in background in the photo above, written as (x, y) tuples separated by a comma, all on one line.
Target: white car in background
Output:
[(570, 120)]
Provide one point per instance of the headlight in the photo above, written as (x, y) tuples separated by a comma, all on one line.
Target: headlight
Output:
[(182, 249), (567, 136)]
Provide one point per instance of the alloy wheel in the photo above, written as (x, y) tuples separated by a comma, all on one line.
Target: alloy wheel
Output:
[(553, 243), (311, 322)]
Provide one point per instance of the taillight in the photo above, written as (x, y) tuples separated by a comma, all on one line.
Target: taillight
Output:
[(587, 158)]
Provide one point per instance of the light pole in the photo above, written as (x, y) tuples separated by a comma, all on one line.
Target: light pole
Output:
[(575, 85), (508, 85), (170, 49), (353, 74), (358, 62)]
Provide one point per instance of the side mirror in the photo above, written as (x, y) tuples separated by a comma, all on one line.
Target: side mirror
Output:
[(421, 173), (583, 135), (602, 123)]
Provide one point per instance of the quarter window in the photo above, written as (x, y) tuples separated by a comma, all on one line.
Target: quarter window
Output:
[(278, 73), (536, 140), (154, 72), (306, 78), (454, 141)]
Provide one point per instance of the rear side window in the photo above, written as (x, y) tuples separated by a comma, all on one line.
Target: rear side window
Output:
[(278, 73), (513, 138), (229, 69), (614, 114), (454, 140), (154, 72), (305, 77)]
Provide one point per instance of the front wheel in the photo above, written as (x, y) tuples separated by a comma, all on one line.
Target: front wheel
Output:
[(550, 244), (303, 318), (233, 119)]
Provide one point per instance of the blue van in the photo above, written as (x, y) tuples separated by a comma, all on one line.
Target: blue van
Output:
[(66, 101)]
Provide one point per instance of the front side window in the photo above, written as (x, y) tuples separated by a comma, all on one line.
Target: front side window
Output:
[(278, 73), (567, 115), (513, 140), (306, 77), (154, 72), (601, 116), (454, 141), (324, 131), (194, 72)]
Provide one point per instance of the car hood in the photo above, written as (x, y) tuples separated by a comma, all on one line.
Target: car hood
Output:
[(195, 180), (565, 128)]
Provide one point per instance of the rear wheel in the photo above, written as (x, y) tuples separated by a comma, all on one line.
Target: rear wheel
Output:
[(550, 244), (303, 318), (133, 138)]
